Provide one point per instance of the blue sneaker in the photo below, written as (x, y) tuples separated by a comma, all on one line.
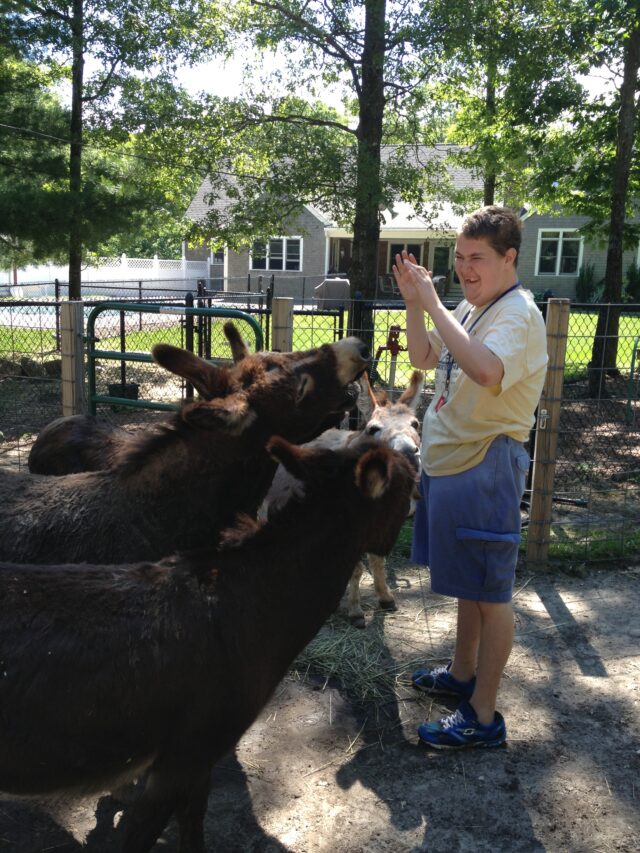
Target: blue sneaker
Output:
[(463, 731), (440, 680)]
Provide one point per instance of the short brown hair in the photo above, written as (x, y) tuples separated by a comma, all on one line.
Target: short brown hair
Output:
[(500, 226)]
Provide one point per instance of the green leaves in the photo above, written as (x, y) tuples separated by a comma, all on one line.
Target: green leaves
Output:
[(129, 51)]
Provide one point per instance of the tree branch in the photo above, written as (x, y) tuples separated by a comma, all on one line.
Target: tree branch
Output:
[(316, 36), (103, 86), (45, 13), (292, 118)]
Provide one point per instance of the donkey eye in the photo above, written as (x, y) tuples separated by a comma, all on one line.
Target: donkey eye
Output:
[(415, 423), (372, 429)]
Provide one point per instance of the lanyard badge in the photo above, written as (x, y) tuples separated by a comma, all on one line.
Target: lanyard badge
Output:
[(444, 396)]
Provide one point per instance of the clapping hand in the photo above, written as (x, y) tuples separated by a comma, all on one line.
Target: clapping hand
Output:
[(414, 282)]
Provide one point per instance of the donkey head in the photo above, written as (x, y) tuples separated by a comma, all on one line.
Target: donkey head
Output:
[(376, 482), (288, 393), (393, 424)]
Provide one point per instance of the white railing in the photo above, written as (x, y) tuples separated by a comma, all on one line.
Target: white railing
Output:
[(105, 270)]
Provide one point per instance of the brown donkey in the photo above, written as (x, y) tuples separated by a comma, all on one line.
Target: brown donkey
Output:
[(75, 443), (177, 486), (113, 671), (392, 424)]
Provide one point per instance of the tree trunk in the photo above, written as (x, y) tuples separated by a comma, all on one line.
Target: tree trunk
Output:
[(605, 345), (75, 157), (489, 194), (366, 225)]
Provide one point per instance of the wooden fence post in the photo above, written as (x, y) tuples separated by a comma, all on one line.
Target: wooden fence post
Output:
[(544, 463), (72, 357), (282, 318)]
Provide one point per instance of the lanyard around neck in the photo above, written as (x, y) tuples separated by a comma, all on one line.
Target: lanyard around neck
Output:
[(490, 305), (450, 358)]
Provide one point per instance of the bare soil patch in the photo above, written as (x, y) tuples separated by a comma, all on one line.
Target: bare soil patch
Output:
[(334, 763)]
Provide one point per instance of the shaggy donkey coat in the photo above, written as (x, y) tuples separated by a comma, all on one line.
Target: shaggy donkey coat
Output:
[(177, 486), (108, 671), (76, 443), (393, 424)]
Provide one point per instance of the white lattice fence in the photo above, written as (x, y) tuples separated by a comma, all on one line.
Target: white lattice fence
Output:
[(166, 272)]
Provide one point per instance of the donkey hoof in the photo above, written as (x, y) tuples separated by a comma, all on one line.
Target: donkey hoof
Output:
[(388, 605), (358, 620)]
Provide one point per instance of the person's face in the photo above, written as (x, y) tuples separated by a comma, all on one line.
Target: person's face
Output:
[(484, 273)]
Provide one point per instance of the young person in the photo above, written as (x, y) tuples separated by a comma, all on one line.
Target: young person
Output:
[(490, 357)]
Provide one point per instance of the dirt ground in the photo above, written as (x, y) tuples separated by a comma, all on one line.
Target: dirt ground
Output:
[(334, 764)]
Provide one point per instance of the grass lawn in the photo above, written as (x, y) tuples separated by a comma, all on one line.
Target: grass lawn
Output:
[(30, 342), (582, 328), (313, 330)]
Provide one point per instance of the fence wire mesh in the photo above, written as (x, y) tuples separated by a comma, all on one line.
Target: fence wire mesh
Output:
[(596, 501), (597, 483), (30, 373), (30, 363)]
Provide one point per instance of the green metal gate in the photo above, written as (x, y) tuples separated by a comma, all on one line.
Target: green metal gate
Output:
[(123, 356)]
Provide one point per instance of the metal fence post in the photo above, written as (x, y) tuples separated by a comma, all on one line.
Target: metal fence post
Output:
[(188, 340), (544, 463), (282, 313), (72, 357), (56, 292)]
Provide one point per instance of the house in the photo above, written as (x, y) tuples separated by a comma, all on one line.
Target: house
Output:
[(313, 246)]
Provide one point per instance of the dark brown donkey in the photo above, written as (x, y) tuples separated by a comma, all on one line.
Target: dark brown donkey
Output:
[(111, 671), (177, 486), (389, 423), (76, 443)]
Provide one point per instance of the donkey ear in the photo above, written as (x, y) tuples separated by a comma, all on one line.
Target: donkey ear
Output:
[(239, 349), (232, 414), (367, 400), (305, 386), (304, 463), (373, 473), (209, 381), (291, 456), (411, 395)]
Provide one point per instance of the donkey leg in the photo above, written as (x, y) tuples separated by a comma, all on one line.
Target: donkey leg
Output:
[(385, 596), (190, 817), (356, 614), (168, 789), (144, 823)]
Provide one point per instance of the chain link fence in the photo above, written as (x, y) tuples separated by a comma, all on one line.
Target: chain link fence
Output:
[(596, 498), (30, 362), (597, 480)]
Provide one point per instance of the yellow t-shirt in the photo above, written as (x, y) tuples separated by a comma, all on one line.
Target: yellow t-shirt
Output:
[(456, 436)]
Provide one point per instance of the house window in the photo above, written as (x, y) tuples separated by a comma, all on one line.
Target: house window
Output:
[(279, 253), (396, 248), (559, 252)]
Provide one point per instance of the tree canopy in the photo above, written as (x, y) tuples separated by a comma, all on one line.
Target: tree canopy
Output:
[(114, 165), (285, 150), (104, 48)]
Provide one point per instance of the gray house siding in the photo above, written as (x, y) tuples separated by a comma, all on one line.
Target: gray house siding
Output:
[(310, 229), (310, 226), (561, 285)]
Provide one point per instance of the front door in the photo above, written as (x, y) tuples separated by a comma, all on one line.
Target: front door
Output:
[(441, 260)]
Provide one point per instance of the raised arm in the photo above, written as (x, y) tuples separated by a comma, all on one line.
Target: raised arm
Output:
[(419, 294), (421, 353)]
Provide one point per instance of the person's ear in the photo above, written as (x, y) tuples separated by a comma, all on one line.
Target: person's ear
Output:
[(511, 255)]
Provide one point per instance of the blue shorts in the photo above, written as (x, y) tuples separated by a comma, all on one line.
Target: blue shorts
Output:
[(466, 526)]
